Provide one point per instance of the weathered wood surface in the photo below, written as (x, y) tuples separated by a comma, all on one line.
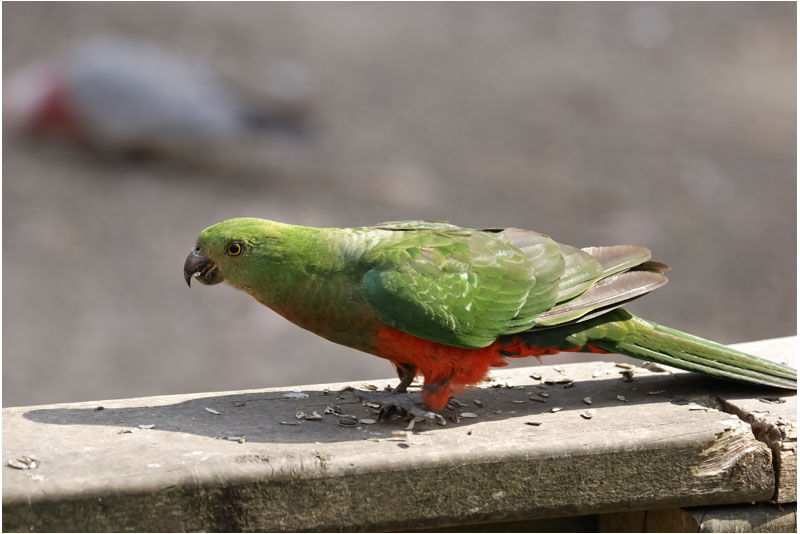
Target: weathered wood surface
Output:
[(658, 441), (759, 517)]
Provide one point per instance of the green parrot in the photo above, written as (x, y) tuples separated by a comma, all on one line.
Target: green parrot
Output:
[(448, 302)]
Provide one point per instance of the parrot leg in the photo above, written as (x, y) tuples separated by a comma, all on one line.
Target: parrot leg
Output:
[(401, 402), (407, 372)]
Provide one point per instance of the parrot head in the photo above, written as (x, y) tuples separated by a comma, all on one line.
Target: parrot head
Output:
[(226, 251)]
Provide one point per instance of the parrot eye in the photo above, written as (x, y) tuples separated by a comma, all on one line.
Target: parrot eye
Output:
[(234, 249)]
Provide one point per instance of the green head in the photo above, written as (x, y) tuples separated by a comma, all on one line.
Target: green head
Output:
[(232, 249)]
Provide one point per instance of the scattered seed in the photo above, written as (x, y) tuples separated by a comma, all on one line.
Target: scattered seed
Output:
[(326, 391), (469, 433), (371, 404), (555, 409), (367, 421), (348, 420), (772, 400), (334, 409), (654, 367), (533, 423), (587, 400), (536, 377), (562, 380), (238, 404), (544, 394), (295, 394), (622, 398), (569, 384), (99, 409), (498, 411), (627, 375), (300, 414), (371, 387), (313, 417), (468, 415), (478, 403), (596, 373), (400, 434), (623, 365), (24, 462), (588, 414), (290, 423), (456, 402), (454, 418), (240, 439), (146, 427), (537, 399), (516, 401), (126, 431), (410, 425), (558, 369), (212, 410)]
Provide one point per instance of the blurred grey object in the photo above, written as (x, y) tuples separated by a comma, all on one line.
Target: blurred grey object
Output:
[(131, 95)]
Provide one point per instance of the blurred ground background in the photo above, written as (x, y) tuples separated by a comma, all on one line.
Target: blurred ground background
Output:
[(667, 125)]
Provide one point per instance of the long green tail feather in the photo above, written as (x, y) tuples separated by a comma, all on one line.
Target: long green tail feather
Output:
[(621, 332)]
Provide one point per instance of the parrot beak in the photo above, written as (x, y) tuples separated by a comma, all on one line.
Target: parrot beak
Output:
[(202, 268)]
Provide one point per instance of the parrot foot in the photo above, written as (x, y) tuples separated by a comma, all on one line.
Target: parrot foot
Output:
[(397, 402)]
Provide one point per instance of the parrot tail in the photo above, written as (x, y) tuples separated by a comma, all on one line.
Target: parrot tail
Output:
[(621, 332)]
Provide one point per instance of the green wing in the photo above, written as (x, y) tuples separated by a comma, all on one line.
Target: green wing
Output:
[(459, 286), (465, 287)]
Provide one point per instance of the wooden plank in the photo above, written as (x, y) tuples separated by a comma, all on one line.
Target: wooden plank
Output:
[(774, 421), (657, 441), (759, 517)]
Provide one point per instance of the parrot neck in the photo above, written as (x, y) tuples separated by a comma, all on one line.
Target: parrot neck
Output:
[(308, 280)]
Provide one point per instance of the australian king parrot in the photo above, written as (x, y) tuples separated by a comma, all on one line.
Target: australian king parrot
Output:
[(447, 302)]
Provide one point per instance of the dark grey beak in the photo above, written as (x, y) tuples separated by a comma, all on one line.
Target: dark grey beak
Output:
[(202, 268)]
